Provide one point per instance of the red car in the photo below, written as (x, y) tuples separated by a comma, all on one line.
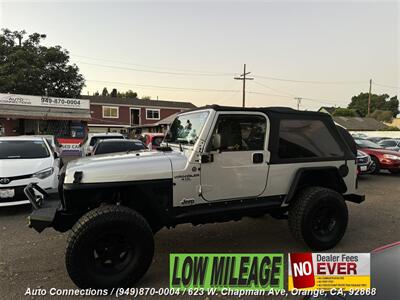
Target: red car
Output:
[(381, 158), (152, 140)]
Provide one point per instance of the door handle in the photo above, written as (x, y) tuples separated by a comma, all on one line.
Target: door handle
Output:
[(258, 158), (207, 158)]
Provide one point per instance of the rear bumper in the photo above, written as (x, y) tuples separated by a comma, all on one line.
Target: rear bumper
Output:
[(356, 198)]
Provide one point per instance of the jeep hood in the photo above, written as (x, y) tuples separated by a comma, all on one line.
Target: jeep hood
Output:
[(119, 167)]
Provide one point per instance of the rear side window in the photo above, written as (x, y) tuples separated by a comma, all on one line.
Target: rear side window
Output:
[(306, 139), (388, 143), (95, 139)]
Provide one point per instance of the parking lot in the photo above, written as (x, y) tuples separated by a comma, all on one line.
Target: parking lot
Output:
[(28, 259)]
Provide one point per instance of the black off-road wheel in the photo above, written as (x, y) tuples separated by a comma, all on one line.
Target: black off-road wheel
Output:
[(110, 246), (318, 217)]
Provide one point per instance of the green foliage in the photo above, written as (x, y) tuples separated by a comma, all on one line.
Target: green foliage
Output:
[(146, 98), (382, 115), (114, 93), (378, 102), (27, 67), (344, 112), (130, 94), (105, 93)]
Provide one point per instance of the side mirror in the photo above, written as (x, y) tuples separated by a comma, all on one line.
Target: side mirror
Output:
[(55, 154), (216, 142)]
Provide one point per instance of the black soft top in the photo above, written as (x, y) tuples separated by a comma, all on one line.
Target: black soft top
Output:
[(272, 110), (276, 114)]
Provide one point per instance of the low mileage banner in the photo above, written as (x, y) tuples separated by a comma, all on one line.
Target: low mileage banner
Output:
[(233, 271)]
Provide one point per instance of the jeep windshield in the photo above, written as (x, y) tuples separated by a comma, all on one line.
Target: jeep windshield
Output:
[(23, 149), (186, 128)]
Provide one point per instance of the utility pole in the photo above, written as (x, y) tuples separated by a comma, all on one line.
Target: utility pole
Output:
[(298, 102), (369, 97), (244, 78)]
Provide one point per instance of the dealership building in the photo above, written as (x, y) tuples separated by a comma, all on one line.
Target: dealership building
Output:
[(69, 120), (27, 114)]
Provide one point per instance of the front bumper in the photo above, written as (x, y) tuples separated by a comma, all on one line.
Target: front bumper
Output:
[(47, 210), (45, 207), (356, 198)]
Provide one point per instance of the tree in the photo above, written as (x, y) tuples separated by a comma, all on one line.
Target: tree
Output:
[(130, 94), (344, 112), (104, 93), (382, 115), (27, 67), (114, 93), (146, 98), (96, 94), (378, 102)]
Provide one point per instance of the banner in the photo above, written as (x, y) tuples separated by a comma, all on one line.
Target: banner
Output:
[(325, 271), (28, 100), (233, 271)]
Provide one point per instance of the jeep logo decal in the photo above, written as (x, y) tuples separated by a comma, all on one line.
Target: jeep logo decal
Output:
[(5, 180), (187, 201)]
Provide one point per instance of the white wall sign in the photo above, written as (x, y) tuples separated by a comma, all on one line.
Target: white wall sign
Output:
[(27, 100)]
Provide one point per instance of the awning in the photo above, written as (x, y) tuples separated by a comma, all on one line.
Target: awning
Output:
[(43, 113)]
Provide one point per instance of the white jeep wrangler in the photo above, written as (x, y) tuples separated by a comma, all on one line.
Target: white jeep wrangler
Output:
[(216, 164)]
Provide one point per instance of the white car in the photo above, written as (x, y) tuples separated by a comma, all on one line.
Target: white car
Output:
[(23, 160), (91, 139)]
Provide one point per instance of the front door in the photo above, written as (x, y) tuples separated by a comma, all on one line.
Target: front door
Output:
[(135, 116), (236, 166)]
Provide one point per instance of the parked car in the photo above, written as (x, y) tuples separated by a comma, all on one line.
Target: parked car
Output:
[(23, 160), (363, 163), (377, 139), (153, 140), (359, 135), (52, 141), (117, 145), (217, 164), (381, 158), (91, 139), (392, 144)]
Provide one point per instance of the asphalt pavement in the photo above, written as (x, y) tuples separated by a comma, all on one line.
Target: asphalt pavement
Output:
[(32, 260)]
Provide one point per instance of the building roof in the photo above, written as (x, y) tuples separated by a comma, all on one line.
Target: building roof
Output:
[(139, 102), (329, 109), (359, 124)]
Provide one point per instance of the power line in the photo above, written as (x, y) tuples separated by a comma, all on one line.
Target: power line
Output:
[(151, 67), (152, 71), (388, 86), (163, 87), (274, 89), (188, 72), (309, 81)]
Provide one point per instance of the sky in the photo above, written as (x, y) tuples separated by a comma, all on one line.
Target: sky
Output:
[(324, 52)]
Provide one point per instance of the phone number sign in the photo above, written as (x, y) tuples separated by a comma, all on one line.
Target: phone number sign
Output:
[(27, 100)]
